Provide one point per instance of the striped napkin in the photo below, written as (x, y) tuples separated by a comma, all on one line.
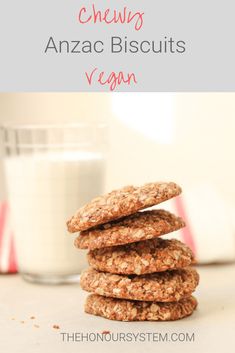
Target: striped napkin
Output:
[(7, 251)]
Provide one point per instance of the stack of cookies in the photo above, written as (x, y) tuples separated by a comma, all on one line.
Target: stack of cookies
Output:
[(134, 274)]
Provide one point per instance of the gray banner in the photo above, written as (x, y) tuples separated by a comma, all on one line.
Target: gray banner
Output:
[(163, 45)]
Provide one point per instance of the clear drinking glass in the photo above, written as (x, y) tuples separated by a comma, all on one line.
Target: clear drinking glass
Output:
[(50, 171)]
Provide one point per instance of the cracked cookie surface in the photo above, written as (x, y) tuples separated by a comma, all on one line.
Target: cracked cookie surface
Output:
[(127, 310), (167, 286), (154, 255), (120, 203), (137, 227)]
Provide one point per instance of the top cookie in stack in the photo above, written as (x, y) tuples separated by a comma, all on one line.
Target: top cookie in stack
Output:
[(131, 268), (121, 203)]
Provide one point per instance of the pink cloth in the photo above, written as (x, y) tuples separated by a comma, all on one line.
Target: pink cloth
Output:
[(7, 251)]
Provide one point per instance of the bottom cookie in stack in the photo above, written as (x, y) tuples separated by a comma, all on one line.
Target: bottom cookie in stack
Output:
[(131, 310)]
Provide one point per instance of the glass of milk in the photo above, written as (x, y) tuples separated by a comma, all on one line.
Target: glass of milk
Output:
[(50, 172)]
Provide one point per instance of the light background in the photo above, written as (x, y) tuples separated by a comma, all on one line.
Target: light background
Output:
[(151, 135)]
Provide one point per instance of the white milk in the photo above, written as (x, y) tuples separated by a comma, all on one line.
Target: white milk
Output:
[(44, 192)]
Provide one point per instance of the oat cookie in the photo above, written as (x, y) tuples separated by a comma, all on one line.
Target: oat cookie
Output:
[(167, 286), (127, 310), (120, 203), (154, 255), (137, 227)]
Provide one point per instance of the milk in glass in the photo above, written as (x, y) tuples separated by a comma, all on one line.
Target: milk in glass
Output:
[(44, 191)]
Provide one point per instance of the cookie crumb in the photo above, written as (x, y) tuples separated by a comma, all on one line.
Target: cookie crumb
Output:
[(12, 318), (56, 327), (22, 322), (105, 332), (37, 326), (32, 317)]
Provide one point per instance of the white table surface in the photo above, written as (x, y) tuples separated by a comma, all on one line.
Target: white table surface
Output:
[(213, 324)]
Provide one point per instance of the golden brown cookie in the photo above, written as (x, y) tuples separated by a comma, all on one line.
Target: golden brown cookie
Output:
[(154, 255), (120, 203), (167, 286), (137, 227), (127, 310)]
